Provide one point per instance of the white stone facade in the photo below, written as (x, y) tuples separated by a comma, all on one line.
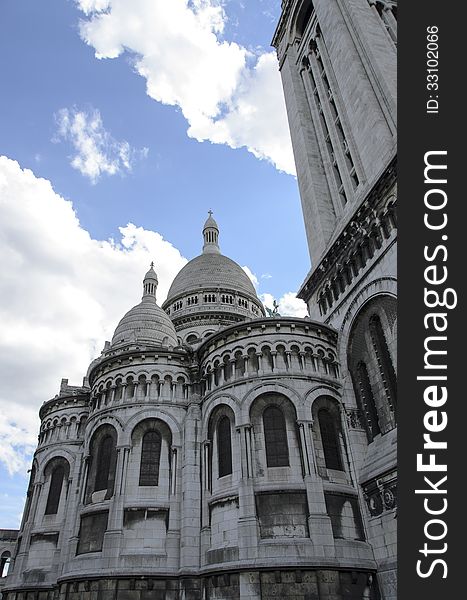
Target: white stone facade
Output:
[(217, 469), (214, 453)]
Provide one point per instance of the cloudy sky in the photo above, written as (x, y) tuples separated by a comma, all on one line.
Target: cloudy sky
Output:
[(121, 124)]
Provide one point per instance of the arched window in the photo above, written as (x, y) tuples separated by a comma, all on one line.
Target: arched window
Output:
[(150, 458), (304, 17), (330, 440), (104, 461), (367, 401), (224, 447), (275, 437), (383, 357), (102, 464), (55, 490), (370, 363), (29, 495), (5, 561)]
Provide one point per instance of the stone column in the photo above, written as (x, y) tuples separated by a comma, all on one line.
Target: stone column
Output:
[(259, 356), (173, 531), (319, 522), (302, 359), (20, 560), (246, 362), (308, 459), (191, 489), (221, 374), (207, 465), (206, 496), (173, 470), (248, 533), (153, 390), (274, 360), (313, 362), (234, 367), (114, 534)]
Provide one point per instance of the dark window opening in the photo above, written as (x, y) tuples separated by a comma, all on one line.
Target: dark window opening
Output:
[(55, 490), (275, 437), (5, 562), (383, 357), (224, 447), (367, 401), (304, 18), (330, 440), (104, 461), (150, 458)]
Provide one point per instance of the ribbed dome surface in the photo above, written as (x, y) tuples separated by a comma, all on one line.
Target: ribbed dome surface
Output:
[(211, 271), (146, 323)]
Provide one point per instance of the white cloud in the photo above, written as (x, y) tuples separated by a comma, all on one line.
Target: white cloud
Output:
[(63, 294), (251, 275), (97, 152), (227, 94), (289, 305), (89, 6)]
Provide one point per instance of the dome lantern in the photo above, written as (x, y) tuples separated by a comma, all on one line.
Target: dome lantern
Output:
[(211, 236), (146, 323), (150, 283)]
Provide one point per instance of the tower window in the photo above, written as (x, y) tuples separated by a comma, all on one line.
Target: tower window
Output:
[(275, 437), (55, 490), (104, 460), (150, 459), (383, 358), (5, 562), (330, 122), (304, 18), (330, 440), (224, 447), (367, 401)]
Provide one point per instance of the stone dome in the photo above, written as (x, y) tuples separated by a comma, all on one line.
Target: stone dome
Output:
[(211, 271), (146, 323)]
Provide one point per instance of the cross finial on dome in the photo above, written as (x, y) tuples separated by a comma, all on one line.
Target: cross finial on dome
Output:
[(152, 264), (211, 235)]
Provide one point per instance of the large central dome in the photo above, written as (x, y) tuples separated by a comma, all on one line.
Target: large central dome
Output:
[(211, 271), (210, 292)]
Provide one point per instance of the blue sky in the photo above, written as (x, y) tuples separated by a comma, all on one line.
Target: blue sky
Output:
[(119, 137)]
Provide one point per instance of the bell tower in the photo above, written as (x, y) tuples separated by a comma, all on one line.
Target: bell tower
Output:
[(338, 66)]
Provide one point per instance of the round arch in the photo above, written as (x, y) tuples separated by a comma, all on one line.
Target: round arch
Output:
[(275, 387), (152, 413)]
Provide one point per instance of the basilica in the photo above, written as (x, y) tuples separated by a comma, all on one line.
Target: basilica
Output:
[(216, 452)]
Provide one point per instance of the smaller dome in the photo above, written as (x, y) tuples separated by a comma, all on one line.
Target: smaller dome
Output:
[(146, 322)]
